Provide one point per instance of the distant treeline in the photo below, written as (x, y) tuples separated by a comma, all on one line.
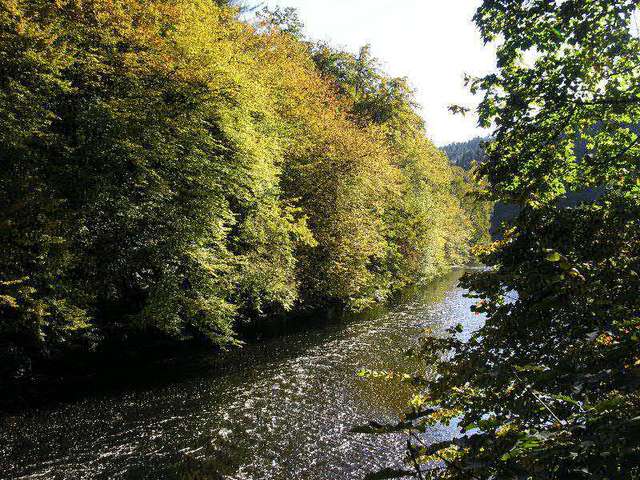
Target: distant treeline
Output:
[(169, 169), (464, 154), (468, 154)]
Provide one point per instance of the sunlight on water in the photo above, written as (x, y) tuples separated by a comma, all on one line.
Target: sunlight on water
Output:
[(282, 410)]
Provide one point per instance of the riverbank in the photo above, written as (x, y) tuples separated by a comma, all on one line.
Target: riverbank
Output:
[(123, 365), (279, 408)]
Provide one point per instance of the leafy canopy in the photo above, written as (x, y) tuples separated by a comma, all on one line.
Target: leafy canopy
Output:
[(548, 387), (169, 171)]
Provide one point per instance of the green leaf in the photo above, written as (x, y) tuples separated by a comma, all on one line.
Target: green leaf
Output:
[(553, 257)]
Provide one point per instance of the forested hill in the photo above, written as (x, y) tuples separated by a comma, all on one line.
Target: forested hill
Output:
[(467, 154), (463, 154), (170, 170)]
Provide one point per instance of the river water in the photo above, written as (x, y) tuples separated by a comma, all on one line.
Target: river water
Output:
[(279, 409)]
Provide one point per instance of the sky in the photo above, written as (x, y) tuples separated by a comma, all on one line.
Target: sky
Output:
[(432, 42)]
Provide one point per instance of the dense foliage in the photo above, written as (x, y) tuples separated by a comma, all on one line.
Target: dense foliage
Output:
[(468, 156), (548, 388), (168, 169)]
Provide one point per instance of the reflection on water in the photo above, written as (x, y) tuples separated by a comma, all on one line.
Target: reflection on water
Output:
[(280, 410)]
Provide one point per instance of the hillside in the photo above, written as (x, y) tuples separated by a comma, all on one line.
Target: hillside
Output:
[(172, 170), (463, 154)]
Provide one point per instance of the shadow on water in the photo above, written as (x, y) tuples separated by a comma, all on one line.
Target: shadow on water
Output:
[(278, 409)]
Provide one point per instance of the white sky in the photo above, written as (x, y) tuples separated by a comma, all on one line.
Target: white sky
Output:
[(432, 42)]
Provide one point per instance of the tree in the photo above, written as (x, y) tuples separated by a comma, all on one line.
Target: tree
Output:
[(285, 20), (170, 170), (548, 387), (465, 154), (430, 222)]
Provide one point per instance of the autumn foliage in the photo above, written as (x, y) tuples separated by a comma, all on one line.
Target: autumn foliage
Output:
[(168, 169)]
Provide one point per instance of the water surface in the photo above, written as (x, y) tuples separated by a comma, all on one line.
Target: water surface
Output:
[(280, 409)]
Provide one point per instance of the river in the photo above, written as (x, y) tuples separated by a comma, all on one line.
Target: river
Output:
[(278, 409)]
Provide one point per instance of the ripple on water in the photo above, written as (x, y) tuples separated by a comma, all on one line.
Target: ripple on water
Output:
[(285, 412)]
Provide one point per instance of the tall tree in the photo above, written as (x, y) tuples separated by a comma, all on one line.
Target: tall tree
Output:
[(170, 170), (548, 387)]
